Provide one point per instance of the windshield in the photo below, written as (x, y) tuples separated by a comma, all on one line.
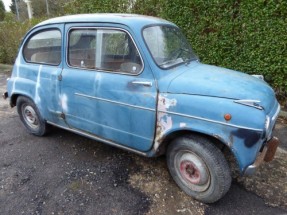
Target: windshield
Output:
[(168, 46)]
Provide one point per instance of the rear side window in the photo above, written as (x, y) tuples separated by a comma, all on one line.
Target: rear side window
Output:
[(110, 50), (44, 47)]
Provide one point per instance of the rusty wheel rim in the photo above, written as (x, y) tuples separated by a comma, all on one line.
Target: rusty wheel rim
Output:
[(30, 117), (192, 171)]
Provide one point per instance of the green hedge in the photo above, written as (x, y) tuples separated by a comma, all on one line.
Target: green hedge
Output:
[(11, 34), (245, 35)]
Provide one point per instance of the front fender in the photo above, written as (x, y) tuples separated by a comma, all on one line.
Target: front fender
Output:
[(205, 115)]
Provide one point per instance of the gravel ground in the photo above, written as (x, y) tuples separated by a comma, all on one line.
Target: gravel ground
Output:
[(64, 173)]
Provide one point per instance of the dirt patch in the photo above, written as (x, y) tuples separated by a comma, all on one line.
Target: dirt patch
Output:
[(154, 179), (270, 181), (282, 120)]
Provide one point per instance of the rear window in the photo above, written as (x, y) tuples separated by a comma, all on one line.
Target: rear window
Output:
[(44, 47)]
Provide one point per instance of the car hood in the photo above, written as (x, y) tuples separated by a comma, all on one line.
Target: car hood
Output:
[(207, 80)]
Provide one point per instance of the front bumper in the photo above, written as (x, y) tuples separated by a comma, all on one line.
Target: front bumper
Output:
[(5, 95), (267, 154)]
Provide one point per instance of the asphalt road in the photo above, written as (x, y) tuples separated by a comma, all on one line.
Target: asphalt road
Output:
[(64, 173)]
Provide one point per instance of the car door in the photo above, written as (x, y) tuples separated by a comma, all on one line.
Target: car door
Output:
[(39, 67), (106, 89)]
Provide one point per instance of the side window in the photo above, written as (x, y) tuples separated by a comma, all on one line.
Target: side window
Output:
[(103, 49), (44, 47), (82, 48)]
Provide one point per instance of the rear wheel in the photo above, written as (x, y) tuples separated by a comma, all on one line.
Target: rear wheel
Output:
[(199, 168), (30, 116)]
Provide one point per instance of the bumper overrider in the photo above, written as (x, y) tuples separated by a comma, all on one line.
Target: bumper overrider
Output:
[(269, 148), (267, 154)]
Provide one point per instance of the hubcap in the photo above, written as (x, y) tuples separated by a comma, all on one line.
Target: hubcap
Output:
[(30, 117), (192, 171)]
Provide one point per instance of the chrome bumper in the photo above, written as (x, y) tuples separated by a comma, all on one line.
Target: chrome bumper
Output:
[(267, 155), (5, 95)]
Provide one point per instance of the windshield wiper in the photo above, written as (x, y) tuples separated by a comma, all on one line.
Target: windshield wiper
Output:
[(188, 60)]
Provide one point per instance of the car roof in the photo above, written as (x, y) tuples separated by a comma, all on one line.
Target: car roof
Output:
[(126, 19)]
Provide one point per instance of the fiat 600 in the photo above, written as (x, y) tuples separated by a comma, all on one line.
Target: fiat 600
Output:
[(134, 82)]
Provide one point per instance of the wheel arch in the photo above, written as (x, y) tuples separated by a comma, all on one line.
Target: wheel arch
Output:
[(30, 115), (215, 139), (199, 168), (15, 96)]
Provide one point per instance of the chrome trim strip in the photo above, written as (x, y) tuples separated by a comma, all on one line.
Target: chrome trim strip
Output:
[(114, 102), (105, 28), (249, 103), (272, 123), (248, 100), (213, 121), (94, 137), (267, 123)]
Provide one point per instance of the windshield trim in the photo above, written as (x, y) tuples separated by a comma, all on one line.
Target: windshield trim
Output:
[(158, 65)]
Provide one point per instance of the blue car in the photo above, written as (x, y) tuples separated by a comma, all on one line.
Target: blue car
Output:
[(134, 82)]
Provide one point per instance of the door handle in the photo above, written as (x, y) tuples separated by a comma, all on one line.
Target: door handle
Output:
[(144, 83)]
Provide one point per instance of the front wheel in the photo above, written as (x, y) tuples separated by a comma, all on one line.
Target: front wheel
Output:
[(30, 116), (199, 168)]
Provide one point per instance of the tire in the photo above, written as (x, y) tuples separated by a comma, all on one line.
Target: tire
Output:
[(199, 168), (30, 116)]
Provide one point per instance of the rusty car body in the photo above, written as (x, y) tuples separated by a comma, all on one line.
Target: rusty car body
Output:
[(134, 82)]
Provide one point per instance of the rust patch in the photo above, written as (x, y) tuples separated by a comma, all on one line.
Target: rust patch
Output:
[(272, 147), (164, 120), (250, 138)]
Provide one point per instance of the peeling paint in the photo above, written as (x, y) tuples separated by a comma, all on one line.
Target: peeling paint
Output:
[(182, 125), (17, 65), (64, 102), (97, 82), (165, 103), (164, 121), (38, 85)]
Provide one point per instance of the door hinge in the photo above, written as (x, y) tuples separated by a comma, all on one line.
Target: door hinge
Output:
[(60, 77), (62, 115)]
